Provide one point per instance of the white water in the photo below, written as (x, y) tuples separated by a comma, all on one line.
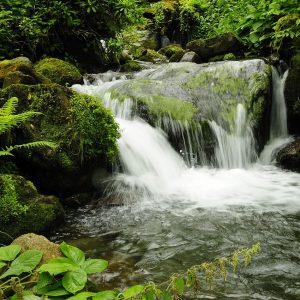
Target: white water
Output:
[(156, 177), (278, 128)]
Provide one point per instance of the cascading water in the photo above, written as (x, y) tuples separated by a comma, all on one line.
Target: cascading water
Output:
[(278, 127), (180, 215)]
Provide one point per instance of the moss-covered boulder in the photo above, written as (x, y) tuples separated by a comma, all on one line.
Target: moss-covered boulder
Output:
[(289, 156), (152, 56), (292, 95), (131, 66), (58, 71), (23, 209), (170, 50), (18, 70), (207, 48), (83, 130)]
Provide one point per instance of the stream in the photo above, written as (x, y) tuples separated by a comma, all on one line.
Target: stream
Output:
[(175, 214)]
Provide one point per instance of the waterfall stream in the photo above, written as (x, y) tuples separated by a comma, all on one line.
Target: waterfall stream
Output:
[(176, 212)]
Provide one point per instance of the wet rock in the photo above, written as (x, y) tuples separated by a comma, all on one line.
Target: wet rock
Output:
[(77, 200), (225, 43), (131, 66), (292, 95), (23, 209), (170, 50), (31, 241), (191, 57), (289, 156), (152, 56)]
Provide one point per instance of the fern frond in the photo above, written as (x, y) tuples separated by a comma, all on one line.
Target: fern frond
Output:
[(8, 122), (38, 144), (5, 153), (9, 107)]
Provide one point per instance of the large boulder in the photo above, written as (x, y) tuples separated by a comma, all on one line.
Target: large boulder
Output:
[(23, 209), (292, 95), (190, 56), (289, 156), (58, 71), (83, 130), (207, 48), (170, 50)]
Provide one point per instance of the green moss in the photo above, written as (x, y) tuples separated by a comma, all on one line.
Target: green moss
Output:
[(229, 56), (17, 77), (22, 209), (152, 56), (58, 71), (170, 50), (176, 57), (200, 80), (161, 105), (131, 66)]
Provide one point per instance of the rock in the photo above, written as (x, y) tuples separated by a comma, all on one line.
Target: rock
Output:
[(124, 57), (18, 77), (191, 57), (289, 156), (77, 200), (165, 41), (58, 71), (212, 91), (31, 241), (292, 95), (225, 43), (84, 131), (22, 65), (176, 57), (170, 50), (152, 56), (131, 66), (23, 209)]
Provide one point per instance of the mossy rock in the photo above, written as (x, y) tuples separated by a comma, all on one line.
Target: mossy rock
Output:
[(18, 70), (58, 71), (170, 50), (289, 156), (131, 66), (176, 57), (23, 209), (152, 56), (84, 131), (18, 77), (292, 95), (219, 45)]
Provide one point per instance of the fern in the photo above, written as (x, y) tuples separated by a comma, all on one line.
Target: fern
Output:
[(9, 121)]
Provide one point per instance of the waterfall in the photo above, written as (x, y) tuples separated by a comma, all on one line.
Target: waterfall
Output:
[(278, 127), (236, 148)]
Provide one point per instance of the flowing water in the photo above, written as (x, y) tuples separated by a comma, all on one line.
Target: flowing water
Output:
[(176, 213)]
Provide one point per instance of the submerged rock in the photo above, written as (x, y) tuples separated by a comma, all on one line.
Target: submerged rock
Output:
[(83, 130), (23, 209), (289, 156), (225, 43), (58, 71), (292, 95)]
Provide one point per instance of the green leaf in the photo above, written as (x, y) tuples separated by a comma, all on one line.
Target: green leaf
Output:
[(9, 253), (2, 264), (27, 295), (57, 292), (58, 266), (105, 295), (253, 38), (44, 280), (47, 288), (132, 291), (91, 266), (75, 254), (81, 296), (26, 262), (165, 295), (179, 285), (74, 281)]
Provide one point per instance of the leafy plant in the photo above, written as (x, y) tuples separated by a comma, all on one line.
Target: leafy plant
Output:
[(66, 276), (9, 120)]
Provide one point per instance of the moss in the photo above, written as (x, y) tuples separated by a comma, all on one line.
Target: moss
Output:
[(58, 71), (131, 66), (170, 50), (17, 77), (27, 210), (229, 56), (152, 56), (176, 57), (161, 105)]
